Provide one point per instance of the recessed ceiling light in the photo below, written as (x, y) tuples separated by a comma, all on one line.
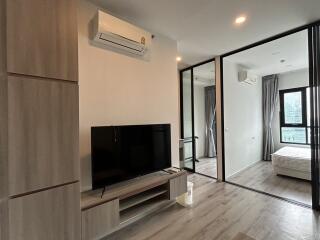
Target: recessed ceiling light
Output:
[(178, 59), (240, 20)]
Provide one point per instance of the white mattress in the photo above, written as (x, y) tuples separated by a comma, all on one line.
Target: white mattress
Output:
[(294, 158)]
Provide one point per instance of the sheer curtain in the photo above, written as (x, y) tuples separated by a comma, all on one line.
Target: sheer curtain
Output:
[(270, 89)]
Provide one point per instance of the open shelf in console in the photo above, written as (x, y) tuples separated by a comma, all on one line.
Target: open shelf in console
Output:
[(127, 189), (144, 208), (142, 197)]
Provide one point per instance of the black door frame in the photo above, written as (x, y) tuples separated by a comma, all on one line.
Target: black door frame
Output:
[(314, 163), (192, 115), (190, 68), (314, 72)]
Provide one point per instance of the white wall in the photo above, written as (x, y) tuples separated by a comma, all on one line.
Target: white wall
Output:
[(289, 80), (199, 119), (243, 121), (117, 89)]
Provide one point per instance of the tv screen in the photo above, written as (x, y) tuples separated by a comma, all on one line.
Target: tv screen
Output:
[(123, 152)]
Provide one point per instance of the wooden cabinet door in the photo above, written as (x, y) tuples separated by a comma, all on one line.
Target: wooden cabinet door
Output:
[(100, 220), (43, 132), (51, 215), (4, 220), (42, 38), (178, 186)]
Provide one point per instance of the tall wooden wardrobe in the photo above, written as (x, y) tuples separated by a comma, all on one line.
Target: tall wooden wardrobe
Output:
[(39, 163)]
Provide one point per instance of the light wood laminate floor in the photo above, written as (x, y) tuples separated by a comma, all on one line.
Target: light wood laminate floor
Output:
[(222, 211), (207, 166), (260, 176)]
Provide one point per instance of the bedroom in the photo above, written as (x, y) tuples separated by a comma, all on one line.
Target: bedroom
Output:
[(272, 116)]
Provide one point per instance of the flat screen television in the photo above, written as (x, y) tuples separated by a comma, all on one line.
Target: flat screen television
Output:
[(120, 153)]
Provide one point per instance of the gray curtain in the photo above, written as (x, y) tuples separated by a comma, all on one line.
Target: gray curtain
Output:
[(270, 88), (210, 111)]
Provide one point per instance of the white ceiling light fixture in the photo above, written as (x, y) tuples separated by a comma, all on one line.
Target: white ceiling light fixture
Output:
[(179, 59), (240, 20)]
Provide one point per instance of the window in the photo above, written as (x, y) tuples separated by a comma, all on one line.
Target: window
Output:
[(295, 115)]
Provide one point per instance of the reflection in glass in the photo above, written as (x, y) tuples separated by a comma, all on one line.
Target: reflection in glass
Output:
[(308, 108), (187, 119), (205, 119)]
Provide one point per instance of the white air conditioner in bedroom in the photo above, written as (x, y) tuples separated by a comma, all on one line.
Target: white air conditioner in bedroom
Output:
[(245, 77), (114, 32)]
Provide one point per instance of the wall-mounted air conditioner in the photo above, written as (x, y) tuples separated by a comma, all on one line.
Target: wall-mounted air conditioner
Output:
[(245, 77), (114, 32)]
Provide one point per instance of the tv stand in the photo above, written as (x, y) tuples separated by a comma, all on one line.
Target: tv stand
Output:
[(129, 201)]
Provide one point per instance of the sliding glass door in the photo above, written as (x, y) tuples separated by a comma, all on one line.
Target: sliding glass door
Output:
[(314, 48), (187, 119), (205, 119), (266, 118), (294, 75), (198, 118)]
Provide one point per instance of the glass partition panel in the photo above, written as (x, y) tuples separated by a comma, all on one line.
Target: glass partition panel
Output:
[(205, 119), (266, 104), (187, 119)]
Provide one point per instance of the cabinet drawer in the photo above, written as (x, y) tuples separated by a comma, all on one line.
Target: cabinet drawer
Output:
[(100, 220)]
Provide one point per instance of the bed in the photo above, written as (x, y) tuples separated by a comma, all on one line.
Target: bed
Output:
[(293, 162)]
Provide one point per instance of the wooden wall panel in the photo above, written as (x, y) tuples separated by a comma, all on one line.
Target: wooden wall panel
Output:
[(97, 222), (3, 127), (3, 158), (3, 137), (4, 224), (43, 133), (51, 215), (3, 106), (3, 48), (42, 38)]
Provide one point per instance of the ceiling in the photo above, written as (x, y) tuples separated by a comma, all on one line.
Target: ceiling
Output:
[(286, 54), (205, 28)]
